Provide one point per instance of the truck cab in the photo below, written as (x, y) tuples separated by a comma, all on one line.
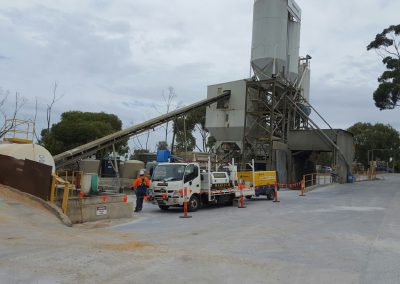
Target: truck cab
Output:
[(169, 181)]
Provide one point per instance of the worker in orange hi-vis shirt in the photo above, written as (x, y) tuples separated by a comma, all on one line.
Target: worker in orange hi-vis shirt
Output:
[(141, 184)]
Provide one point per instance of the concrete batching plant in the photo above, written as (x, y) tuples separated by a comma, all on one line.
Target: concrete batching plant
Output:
[(256, 120)]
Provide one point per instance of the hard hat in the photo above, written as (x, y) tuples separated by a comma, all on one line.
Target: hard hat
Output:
[(141, 172)]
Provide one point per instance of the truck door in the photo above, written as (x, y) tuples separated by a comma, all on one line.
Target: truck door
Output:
[(192, 178)]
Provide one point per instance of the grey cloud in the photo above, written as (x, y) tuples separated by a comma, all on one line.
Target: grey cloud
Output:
[(113, 55), (345, 105)]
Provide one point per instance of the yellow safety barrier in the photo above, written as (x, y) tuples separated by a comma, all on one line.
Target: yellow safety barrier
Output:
[(59, 181)]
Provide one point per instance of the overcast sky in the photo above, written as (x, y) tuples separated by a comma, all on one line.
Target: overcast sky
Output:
[(120, 56)]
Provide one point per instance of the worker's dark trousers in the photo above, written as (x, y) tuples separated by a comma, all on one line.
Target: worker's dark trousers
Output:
[(139, 202)]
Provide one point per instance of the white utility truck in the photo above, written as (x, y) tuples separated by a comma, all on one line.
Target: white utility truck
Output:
[(169, 181)]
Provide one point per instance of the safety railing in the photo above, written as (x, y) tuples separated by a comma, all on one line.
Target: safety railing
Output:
[(318, 179), (74, 178), (18, 131), (56, 180)]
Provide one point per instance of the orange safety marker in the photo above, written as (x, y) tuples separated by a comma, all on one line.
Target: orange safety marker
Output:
[(276, 193), (82, 194), (185, 205), (104, 198), (302, 188), (125, 199), (241, 203)]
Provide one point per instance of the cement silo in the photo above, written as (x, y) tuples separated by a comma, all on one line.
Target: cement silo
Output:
[(304, 84), (293, 47), (269, 41)]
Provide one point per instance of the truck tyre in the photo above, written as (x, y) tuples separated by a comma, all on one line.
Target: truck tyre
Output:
[(163, 207), (193, 204), (229, 202), (248, 197), (270, 196)]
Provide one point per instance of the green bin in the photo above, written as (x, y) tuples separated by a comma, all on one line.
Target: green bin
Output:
[(95, 184)]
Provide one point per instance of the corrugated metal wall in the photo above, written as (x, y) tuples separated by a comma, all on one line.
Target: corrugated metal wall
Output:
[(26, 175)]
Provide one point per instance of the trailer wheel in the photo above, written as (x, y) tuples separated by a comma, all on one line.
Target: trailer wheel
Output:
[(248, 197), (163, 207), (193, 204)]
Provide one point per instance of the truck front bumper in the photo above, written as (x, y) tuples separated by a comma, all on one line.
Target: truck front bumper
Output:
[(168, 201)]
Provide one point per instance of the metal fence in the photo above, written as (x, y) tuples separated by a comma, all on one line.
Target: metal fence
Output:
[(26, 175)]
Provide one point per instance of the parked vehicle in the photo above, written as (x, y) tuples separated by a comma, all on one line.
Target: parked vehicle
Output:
[(169, 181), (326, 169), (263, 182)]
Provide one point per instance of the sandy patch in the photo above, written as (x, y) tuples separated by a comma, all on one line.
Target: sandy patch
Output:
[(127, 246), (9, 195), (3, 220)]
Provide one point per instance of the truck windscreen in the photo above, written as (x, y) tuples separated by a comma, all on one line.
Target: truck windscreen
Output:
[(169, 172)]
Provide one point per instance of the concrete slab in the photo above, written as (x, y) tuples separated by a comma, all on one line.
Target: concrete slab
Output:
[(346, 233)]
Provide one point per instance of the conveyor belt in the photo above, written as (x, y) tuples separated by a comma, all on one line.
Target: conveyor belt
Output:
[(76, 154)]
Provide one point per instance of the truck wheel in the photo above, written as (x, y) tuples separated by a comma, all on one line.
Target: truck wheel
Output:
[(229, 202), (163, 207), (270, 196), (248, 197), (193, 204)]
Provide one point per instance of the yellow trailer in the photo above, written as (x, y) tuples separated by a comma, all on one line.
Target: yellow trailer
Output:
[(260, 177), (264, 182)]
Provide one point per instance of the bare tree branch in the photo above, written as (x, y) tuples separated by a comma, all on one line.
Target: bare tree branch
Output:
[(34, 120), (50, 106), (380, 53), (395, 45), (3, 100), (147, 138), (389, 52), (19, 103), (137, 139)]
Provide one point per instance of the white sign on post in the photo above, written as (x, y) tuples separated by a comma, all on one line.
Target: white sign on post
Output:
[(101, 210)]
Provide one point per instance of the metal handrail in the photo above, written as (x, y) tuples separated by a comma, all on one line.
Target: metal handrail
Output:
[(317, 179), (13, 133)]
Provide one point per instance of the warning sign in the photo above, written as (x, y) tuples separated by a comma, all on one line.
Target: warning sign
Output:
[(101, 210)]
